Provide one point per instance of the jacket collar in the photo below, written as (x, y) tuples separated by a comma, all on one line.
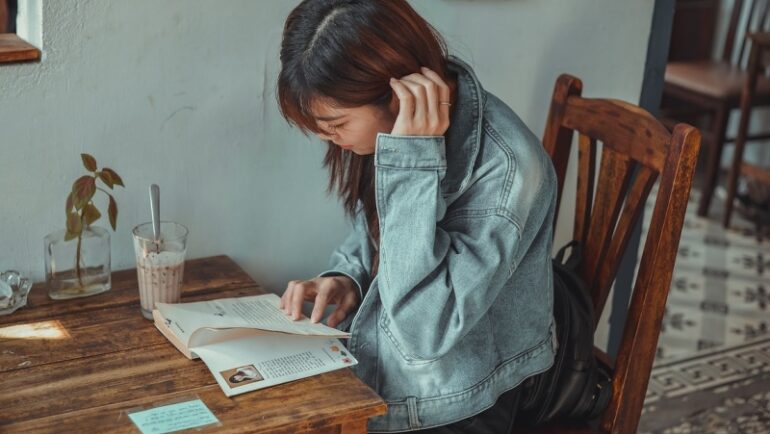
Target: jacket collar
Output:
[(463, 138)]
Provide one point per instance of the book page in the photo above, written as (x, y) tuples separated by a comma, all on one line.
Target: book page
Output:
[(263, 312), (259, 311), (252, 362)]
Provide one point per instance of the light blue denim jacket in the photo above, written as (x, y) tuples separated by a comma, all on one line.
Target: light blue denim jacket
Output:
[(460, 310)]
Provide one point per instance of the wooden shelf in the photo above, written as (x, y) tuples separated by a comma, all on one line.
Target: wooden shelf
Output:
[(14, 49)]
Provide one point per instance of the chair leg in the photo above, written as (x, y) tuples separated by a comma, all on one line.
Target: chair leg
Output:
[(735, 169), (732, 181), (714, 159)]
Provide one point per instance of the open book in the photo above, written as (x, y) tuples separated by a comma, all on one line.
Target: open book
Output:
[(249, 343)]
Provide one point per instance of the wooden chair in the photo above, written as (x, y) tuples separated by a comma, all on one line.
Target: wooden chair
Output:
[(607, 208), (760, 44), (714, 87)]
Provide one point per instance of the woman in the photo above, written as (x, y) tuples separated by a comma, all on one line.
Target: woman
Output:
[(445, 283), (245, 373)]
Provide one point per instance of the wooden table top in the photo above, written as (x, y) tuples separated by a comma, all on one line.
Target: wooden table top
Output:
[(79, 364)]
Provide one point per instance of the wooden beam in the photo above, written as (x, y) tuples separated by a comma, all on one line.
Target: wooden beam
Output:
[(14, 49)]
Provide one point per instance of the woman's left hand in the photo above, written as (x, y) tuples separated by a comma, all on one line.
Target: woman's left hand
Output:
[(420, 110)]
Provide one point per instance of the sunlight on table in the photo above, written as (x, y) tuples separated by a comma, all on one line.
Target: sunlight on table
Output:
[(39, 330)]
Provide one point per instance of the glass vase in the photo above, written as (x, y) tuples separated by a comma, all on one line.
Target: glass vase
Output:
[(66, 280)]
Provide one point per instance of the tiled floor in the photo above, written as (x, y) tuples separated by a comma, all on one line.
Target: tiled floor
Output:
[(721, 390), (712, 370), (720, 288)]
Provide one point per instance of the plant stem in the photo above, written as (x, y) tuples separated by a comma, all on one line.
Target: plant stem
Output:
[(77, 255)]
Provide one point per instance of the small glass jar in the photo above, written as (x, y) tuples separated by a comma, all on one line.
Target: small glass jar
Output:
[(63, 278)]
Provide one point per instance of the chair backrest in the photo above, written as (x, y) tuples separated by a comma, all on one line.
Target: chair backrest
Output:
[(747, 16), (637, 150), (759, 62)]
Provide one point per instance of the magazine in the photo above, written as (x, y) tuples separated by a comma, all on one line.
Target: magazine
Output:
[(249, 343)]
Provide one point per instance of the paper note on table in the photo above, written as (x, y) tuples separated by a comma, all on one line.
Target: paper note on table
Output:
[(173, 417)]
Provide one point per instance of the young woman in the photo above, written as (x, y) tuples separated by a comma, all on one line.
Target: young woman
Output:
[(445, 283)]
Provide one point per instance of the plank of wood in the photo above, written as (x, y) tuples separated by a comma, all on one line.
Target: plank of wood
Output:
[(202, 276), (15, 49), (110, 360), (74, 335), (629, 123), (756, 173), (358, 426), (95, 392)]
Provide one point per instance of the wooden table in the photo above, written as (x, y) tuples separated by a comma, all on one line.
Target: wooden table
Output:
[(85, 361)]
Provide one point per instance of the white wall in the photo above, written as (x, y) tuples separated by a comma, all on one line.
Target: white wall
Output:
[(181, 93), (520, 47)]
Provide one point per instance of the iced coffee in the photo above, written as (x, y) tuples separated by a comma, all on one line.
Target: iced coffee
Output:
[(159, 264)]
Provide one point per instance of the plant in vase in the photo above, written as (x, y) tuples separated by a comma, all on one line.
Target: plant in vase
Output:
[(78, 257)]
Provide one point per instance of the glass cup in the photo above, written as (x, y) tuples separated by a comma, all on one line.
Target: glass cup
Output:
[(159, 264)]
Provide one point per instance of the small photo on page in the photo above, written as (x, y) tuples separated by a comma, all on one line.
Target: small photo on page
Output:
[(241, 376), (339, 352)]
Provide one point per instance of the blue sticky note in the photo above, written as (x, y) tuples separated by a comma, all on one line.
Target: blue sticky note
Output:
[(173, 417)]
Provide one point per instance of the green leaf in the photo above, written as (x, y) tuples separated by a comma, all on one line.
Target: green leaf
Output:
[(91, 214), (112, 212), (74, 225), (106, 178), (83, 190), (89, 162), (70, 236), (116, 180), (69, 203)]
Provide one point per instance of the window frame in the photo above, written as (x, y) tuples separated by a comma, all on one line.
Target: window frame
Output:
[(14, 49)]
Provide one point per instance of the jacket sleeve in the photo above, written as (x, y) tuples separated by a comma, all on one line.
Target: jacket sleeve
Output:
[(435, 282), (352, 257)]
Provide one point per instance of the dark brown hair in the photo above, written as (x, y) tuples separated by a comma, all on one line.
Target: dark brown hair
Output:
[(346, 51)]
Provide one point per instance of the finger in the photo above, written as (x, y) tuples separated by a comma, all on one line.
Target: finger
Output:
[(405, 102), (336, 317), (321, 301), (348, 303), (286, 297), (420, 116), (444, 92), (432, 111), (299, 293)]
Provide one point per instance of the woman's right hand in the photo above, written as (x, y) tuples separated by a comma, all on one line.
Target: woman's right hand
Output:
[(323, 291)]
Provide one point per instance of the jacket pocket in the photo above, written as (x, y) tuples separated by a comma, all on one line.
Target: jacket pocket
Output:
[(384, 324)]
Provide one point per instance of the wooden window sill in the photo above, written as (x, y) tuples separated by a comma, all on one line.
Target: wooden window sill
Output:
[(14, 49)]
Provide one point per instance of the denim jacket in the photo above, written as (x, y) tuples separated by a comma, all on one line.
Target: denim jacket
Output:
[(460, 310)]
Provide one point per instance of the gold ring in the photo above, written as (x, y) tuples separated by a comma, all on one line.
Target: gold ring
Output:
[(445, 103)]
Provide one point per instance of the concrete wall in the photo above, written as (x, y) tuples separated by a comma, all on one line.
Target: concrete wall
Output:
[(181, 93)]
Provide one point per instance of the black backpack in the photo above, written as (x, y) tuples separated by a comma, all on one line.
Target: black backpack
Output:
[(578, 386)]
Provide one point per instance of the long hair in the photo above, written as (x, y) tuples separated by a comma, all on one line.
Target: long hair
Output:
[(346, 51)]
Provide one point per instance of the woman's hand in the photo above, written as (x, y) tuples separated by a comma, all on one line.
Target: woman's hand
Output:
[(423, 104), (338, 290)]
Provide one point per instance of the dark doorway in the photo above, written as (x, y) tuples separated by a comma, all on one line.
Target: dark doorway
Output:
[(8, 9)]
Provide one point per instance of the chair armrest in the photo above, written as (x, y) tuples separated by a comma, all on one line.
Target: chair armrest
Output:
[(762, 39)]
